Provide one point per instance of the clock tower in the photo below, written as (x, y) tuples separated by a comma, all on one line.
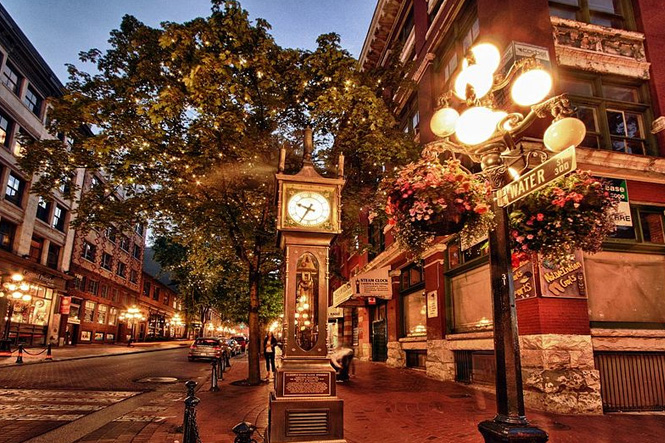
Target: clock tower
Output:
[(304, 406)]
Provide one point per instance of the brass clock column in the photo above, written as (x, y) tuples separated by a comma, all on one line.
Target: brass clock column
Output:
[(304, 406)]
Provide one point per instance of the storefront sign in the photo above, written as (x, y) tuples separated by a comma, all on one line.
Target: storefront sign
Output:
[(341, 294), (302, 384), (334, 313), (563, 281), (65, 304), (617, 187), (432, 304), (524, 280), (376, 283), (86, 335)]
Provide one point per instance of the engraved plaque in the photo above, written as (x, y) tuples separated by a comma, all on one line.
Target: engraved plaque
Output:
[(305, 384)]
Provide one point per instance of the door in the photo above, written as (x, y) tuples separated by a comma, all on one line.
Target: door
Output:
[(379, 340)]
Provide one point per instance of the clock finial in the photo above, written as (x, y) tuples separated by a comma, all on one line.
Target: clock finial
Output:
[(308, 147)]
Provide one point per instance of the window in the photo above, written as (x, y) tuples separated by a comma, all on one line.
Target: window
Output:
[(472, 300), (433, 8), (166, 299), (136, 252), (21, 140), (139, 229), (114, 294), (146, 289), (107, 261), (113, 316), (651, 224), (11, 78), (88, 310), (93, 286), (53, 256), (15, 187), (36, 248), (122, 270), (463, 34), (89, 251), (104, 291), (7, 233), (133, 276), (155, 293), (33, 101), (616, 115), (609, 13), (377, 240), (6, 126), (415, 314), (101, 314), (411, 277), (94, 182), (43, 209), (124, 243), (411, 117), (59, 215), (110, 234)]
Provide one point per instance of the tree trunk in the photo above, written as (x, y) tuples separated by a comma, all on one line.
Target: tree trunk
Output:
[(254, 350)]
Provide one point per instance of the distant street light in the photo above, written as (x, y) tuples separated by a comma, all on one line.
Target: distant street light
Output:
[(132, 315)]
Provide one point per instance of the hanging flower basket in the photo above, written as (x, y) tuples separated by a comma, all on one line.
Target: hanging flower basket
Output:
[(573, 212), (429, 198)]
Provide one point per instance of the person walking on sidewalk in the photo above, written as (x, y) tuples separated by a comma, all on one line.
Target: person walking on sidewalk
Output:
[(269, 345)]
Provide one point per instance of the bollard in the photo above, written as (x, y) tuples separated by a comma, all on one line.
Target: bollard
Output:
[(221, 367), (244, 433), (48, 353), (19, 358), (213, 376), (190, 428)]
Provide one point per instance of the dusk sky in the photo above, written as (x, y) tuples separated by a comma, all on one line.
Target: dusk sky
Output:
[(60, 29)]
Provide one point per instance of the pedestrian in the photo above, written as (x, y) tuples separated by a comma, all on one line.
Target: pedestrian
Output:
[(269, 345)]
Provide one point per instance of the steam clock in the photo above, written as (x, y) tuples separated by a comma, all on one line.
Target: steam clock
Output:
[(304, 406)]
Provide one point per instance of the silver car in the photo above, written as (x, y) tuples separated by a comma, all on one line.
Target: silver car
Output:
[(208, 349)]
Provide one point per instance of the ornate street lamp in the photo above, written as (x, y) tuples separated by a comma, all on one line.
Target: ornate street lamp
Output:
[(487, 136), (15, 290), (132, 315)]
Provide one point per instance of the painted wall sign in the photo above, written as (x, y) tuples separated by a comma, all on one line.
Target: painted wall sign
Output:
[(524, 280), (376, 283), (563, 281), (432, 304)]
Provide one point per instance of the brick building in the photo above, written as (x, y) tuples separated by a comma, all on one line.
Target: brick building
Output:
[(35, 235), (593, 346), (159, 298)]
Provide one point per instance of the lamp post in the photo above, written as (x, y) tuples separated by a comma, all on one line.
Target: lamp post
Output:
[(132, 315), (487, 136), (15, 290)]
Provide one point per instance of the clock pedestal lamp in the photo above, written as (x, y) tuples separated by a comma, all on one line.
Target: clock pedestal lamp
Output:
[(304, 406)]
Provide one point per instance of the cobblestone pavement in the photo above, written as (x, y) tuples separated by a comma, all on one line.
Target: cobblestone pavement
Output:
[(385, 405)]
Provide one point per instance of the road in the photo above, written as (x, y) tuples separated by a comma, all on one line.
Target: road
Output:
[(103, 395)]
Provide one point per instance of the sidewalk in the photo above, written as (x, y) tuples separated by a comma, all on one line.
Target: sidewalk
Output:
[(388, 405), (38, 354)]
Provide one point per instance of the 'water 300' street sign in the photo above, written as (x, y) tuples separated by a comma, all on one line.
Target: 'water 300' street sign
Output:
[(557, 166)]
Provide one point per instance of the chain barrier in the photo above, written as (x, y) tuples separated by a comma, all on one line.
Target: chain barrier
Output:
[(21, 350)]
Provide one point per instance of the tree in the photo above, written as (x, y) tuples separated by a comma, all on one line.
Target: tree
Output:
[(187, 121)]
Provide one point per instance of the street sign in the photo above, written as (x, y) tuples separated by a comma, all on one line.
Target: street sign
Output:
[(557, 166)]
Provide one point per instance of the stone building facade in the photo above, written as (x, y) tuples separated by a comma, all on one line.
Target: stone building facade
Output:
[(585, 330), (36, 239)]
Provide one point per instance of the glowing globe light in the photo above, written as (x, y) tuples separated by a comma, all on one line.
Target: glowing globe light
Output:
[(487, 55), (17, 295), (531, 87), (477, 76), (564, 133), (443, 122), (476, 125), (26, 297)]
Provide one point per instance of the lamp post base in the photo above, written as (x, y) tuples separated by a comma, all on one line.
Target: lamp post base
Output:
[(498, 432)]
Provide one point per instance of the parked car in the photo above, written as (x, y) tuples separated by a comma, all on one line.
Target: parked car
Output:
[(242, 341), (208, 349), (234, 346)]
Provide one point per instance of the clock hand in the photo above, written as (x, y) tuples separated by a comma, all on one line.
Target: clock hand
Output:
[(307, 209)]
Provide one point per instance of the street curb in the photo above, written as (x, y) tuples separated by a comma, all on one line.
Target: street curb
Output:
[(85, 357)]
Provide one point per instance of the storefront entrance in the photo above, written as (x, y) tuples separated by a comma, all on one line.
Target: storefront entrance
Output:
[(380, 340)]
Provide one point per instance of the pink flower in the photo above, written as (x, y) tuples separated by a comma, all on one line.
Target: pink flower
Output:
[(540, 217)]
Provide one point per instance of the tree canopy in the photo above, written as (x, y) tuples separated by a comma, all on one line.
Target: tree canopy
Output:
[(186, 122)]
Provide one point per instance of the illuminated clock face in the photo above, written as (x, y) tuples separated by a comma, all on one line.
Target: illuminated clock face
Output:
[(308, 208)]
